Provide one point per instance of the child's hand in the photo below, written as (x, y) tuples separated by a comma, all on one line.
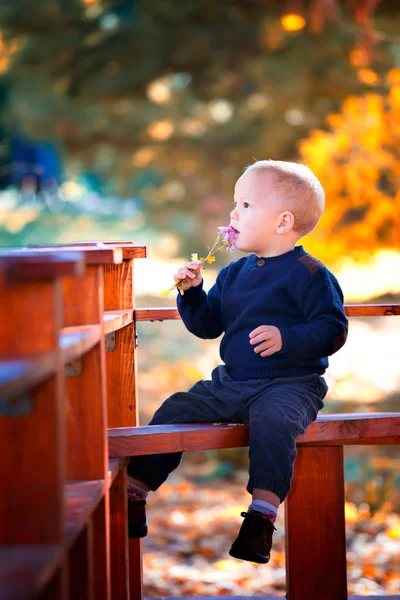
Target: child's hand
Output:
[(186, 275), (269, 339)]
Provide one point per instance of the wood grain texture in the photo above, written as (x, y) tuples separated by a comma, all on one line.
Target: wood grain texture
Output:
[(119, 538), (101, 549), (86, 412), (129, 249), (33, 319), (116, 319), (32, 470), (26, 571), (135, 569), (121, 362), (118, 286), (80, 567), (81, 498), (352, 310), (358, 429), (91, 254), (121, 380), (84, 302), (19, 375), (22, 265), (315, 526), (75, 341)]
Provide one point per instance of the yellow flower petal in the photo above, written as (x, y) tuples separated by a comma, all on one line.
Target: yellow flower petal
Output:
[(211, 259), (165, 293), (195, 256)]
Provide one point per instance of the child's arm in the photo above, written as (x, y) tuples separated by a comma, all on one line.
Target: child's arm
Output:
[(326, 327), (201, 312)]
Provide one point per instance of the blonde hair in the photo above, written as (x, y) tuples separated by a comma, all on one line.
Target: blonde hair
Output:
[(298, 190)]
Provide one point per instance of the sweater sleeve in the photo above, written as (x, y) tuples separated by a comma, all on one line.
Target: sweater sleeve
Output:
[(201, 312), (326, 327)]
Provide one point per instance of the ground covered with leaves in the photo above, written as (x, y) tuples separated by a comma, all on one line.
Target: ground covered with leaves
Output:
[(192, 526)]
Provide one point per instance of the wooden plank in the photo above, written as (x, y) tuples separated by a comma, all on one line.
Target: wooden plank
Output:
[(121, 362), (129, 249), (314, 523), (32, 324), (135, 569), (76, 341), (87, 453), (81, 499), (119, 538), (352, 310), (116, 319), (20, 265), (19, 375), (57, 589), (92, 255), (80, 567), (101, 549), (362, 428), (25, 571), (114, 467), (31, 510)]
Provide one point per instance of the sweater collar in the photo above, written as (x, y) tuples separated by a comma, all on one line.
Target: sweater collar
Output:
[(269, 260)]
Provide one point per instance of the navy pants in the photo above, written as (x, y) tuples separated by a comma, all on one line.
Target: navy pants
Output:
[(278, 410)]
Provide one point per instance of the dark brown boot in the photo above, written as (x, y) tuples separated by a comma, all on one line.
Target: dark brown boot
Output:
[(254, 541), (137, 527)]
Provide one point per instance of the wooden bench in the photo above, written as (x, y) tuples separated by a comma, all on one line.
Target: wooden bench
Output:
[(315, 505), (59, 487)]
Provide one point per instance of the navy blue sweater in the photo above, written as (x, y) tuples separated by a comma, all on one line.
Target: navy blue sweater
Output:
[(293, 291)]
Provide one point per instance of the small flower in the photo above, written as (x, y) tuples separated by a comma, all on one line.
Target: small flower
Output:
[(225, 241)]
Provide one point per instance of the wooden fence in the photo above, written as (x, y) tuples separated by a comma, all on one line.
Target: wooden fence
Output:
[(68, 420)]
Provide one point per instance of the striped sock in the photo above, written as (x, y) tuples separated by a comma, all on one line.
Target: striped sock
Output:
[(266, 508), (136, 493)]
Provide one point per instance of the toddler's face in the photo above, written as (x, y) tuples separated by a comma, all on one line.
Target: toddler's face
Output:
[(255, 214)]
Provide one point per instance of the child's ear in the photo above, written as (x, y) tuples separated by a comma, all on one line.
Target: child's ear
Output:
[(285, 222)]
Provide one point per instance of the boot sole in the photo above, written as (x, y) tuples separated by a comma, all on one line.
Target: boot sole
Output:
[(243, 553), (137, 532)]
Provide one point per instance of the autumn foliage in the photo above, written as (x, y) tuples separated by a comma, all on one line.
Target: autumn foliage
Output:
[(358, 162)]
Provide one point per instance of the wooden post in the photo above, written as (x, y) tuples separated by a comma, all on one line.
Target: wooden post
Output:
[(122, 401), (315, 526)]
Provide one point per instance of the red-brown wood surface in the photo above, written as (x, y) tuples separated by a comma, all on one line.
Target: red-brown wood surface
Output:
[(135, 570), (129, 249), (315, 526), (75, 341), (119, 538), (81, 567), (352, 310), (27, 570), (121, 362), (101, 549), (92, 254), (117, 319), (81, 498), (21, 265), (357, 428), (18, 375), (86, 409)]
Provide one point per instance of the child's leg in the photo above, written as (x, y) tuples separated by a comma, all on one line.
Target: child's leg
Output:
[(206, 402), (277, 417), (279, 412)]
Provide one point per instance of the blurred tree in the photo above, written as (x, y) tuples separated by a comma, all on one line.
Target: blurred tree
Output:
[(357, 161), (167, 102)]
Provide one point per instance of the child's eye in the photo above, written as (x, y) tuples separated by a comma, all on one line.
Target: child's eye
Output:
[(234, 204)]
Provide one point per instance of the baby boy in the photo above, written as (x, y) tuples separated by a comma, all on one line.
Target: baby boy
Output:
[(281, 314)]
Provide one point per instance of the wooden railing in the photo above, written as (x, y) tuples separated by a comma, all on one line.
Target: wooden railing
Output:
[(68, 371)]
